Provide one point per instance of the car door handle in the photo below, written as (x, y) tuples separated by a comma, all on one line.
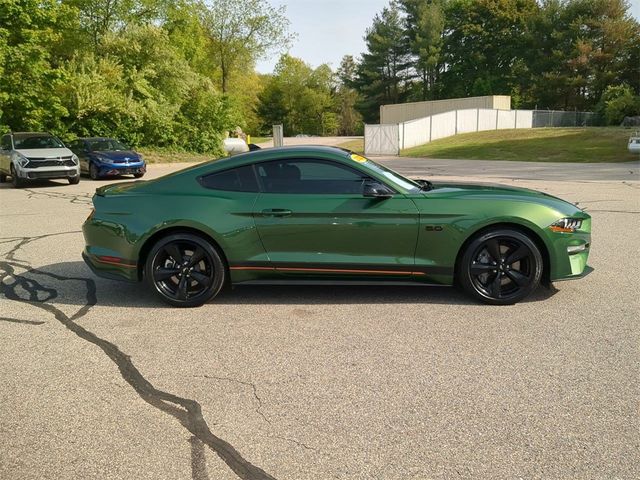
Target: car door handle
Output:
[(276, 212)]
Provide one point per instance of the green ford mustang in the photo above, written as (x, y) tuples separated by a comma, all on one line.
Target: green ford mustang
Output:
[(324, 215)]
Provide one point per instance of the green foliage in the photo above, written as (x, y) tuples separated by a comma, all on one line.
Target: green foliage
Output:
[(239, 32), (384, 68), (618, 102), (30, 32), (144, 71), (300, 98), (560, 54)]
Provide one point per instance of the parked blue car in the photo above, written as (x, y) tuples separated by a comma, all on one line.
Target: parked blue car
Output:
[(106, 157)]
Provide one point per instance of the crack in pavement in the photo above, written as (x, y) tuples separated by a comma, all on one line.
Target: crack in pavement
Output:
[(258, 410), (247, 384), (615, 211), (186, 411), (80, 198)]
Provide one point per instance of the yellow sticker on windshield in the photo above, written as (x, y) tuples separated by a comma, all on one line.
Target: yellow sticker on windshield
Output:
[(358, 158)]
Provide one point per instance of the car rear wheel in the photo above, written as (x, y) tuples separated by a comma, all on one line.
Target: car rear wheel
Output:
[(16, 181), (500, 267), (93, 172), (185, 270), (3, 178)]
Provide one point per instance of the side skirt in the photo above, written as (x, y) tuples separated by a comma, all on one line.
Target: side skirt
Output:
[(294, 281)]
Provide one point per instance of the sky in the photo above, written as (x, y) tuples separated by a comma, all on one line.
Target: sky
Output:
[(329, 29)]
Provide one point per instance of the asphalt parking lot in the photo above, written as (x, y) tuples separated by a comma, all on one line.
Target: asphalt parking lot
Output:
[(100, 380)]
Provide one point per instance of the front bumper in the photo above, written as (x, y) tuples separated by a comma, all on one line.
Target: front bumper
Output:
[(47, 172), (113, 169), (570, 253)]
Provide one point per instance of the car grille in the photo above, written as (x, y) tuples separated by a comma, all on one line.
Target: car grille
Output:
[(45, 174), (50, 162)]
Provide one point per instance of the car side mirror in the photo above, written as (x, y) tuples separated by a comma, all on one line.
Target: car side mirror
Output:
[(376, 190)]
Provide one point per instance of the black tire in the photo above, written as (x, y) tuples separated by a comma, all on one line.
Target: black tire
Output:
[(74, 180), (177, 278), (3, 178), (500, 267), (93, 172), (16, 181), (138, 175)]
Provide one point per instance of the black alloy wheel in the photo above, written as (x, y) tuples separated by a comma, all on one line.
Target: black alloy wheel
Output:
[(185, 270), (501, 267), (93, 171)]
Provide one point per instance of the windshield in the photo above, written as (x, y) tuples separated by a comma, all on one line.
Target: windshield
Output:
[(393, 177), (36, 141), (106, 145)]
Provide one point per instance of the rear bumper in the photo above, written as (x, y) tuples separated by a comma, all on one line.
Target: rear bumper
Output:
[(106, 267)]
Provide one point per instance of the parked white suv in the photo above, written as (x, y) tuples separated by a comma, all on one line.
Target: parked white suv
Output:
[(31, 156)]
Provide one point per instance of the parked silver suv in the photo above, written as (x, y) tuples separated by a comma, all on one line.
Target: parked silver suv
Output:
[(31, 156)]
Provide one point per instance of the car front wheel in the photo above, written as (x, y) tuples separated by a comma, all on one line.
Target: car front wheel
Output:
[(16, 181), (500, 267), (185, 270), (94, 174)]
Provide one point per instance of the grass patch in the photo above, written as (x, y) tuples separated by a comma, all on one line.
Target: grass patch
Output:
[(260, 139), (356, 146), (169, 156), (579, 145)]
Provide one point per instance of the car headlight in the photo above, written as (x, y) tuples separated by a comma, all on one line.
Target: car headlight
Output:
[(74, 159), (21, 160), (101, 159), (566, 225)]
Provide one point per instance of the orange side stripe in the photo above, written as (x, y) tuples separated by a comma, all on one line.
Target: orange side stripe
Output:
[(251, 268), (329, 270)]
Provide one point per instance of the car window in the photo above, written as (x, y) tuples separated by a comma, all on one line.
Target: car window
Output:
[(5, 143), (241, 179), (309, 176), (37, 141), (106, 145)]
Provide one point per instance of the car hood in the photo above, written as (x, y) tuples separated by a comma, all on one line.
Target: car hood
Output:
[(119, 155), (493, 192), (45, 152)]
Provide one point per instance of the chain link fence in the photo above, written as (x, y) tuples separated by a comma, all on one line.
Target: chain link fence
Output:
[(559, 118)]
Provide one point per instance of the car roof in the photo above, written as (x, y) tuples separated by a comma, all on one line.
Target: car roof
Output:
[(95, 138), (274, 153), (31, 134)]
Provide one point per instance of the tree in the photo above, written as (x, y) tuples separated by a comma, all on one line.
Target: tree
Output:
[(425, 23), (486, 46), (384, 68), (241, 31), (349, 120), (583, 46), (300, 98), (618, 102), (31, 31)]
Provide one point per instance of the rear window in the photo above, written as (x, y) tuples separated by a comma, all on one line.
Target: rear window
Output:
[(241, 179)]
